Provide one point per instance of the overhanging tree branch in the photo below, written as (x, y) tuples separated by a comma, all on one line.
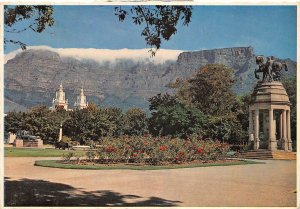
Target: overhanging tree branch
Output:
[(41, 15), (160, 21)]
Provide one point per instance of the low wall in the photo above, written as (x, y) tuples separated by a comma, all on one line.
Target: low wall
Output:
[(79, 147), (24, 143), (18, 143)]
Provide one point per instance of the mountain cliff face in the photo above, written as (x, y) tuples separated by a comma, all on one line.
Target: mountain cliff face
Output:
[(33, 76), (239, 57)]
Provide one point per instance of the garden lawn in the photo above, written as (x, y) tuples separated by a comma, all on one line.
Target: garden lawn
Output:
[(59, 164), (34, 152)]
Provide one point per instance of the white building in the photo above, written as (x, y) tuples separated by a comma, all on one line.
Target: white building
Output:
[(60, 99), (81, 101)]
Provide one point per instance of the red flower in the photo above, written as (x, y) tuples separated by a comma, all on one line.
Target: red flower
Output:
[(162, 148), (134, 155), (110, 149), (201, 151)]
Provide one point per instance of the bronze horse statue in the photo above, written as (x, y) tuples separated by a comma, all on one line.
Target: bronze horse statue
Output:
[(270, 68), (276, 69), (262, 67)]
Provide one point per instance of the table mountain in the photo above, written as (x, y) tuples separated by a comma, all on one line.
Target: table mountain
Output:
[(33, 76)]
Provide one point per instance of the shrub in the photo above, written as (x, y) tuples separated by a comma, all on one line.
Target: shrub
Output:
[(90, 154), (135, 122), (177, 121), (154, 150), (78, 159), (67, 157), (66, 139)]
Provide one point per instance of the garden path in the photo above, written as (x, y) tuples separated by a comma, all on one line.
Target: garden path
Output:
[(270, 184)]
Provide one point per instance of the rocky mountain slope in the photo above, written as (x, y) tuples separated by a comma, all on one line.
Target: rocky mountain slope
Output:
[(32, 77)]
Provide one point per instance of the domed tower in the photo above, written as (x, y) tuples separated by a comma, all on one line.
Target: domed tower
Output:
[(269, 114), (81, 101), (60, 100)]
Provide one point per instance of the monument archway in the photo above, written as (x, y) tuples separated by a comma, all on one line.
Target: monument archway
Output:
[(269, 113)]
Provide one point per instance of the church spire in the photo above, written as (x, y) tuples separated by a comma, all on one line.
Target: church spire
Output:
[(81, 100), (60, 100)]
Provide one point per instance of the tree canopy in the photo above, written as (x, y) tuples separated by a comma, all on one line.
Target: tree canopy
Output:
[(207, 92), (209, 89), (177, 120)]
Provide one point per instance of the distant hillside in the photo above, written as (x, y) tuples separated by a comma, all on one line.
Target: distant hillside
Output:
[(32, 77), (11, 106)]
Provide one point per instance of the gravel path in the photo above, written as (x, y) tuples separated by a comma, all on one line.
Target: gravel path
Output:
[(270, 184)]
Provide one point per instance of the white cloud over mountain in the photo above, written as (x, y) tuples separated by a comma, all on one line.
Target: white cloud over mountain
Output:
[(102, 55)]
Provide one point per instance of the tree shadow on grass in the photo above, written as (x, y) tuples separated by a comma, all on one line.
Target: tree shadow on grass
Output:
[(29, 192)]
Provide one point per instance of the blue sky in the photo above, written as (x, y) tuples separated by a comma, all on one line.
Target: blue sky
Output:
[(271, 30)]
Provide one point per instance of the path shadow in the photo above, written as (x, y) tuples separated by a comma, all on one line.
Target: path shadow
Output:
[(29, 192)]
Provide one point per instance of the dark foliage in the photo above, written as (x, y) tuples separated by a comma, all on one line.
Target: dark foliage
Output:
[(160, 21), (160, 100), (172, 118), (290, 84)]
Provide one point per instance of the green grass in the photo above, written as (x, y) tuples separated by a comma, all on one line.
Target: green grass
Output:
[(34, 152), (59, 164)]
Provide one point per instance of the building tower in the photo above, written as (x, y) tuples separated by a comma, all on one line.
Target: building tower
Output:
[(81, 101), (60, 100)]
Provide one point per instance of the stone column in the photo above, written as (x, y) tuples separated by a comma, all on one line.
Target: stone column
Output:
[(272, 140), (280, 130), (288, 124), (284, 139), (250, 126), (265, 128), (280, 125), (256, 129)]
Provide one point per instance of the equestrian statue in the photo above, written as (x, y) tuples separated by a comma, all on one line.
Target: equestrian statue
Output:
[(270, 68)]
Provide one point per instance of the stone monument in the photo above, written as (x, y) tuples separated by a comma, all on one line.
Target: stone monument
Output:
[(269, 110), (11, 138), (24, 139)]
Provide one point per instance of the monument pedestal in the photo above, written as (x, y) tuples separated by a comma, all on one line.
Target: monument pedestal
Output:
[(272, 145)]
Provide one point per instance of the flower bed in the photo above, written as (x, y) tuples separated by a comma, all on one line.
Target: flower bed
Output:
[(156, 151), (136, 166)]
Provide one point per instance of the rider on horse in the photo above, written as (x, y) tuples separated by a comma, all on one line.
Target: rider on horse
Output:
[(271, 68)]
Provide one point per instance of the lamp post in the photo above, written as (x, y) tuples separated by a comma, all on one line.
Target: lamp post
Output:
[(60, 133)]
